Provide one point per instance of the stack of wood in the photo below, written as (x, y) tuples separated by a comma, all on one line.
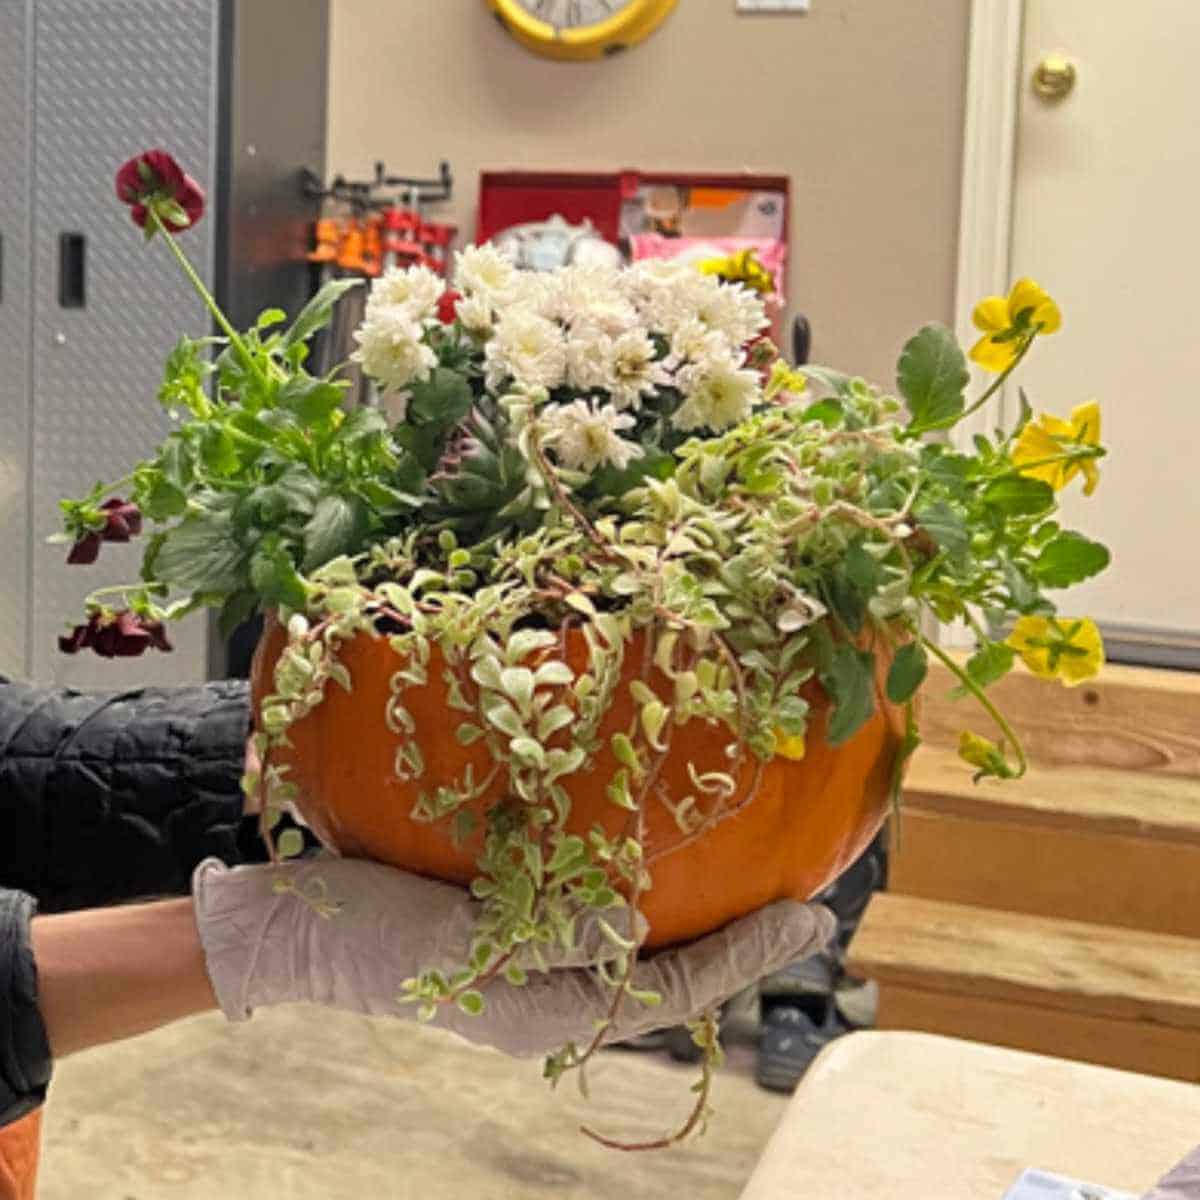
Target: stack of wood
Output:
[(1060, 914)]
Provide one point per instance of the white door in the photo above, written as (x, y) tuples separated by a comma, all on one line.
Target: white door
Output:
[(1106, 216)]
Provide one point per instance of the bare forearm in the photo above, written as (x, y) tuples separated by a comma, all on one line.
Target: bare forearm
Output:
[(108, 974)]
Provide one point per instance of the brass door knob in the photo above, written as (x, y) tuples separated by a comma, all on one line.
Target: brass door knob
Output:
[(1054, 77)]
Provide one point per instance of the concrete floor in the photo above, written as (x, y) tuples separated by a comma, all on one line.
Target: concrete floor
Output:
[(301, 1104)]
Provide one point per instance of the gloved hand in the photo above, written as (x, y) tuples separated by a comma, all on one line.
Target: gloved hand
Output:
[(265, 947), (1182, 1183)]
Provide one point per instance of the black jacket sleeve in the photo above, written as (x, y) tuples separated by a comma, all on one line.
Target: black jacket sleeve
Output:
[(110, 797)]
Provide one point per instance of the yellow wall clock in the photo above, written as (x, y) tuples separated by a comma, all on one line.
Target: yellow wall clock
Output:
[(580, 29)]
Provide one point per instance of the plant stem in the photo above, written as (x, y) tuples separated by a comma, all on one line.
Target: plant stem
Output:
[(999, 381), (202, 291), (976, 691)]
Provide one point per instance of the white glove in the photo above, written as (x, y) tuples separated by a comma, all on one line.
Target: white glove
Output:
[(1183, 1183), (264, 947)]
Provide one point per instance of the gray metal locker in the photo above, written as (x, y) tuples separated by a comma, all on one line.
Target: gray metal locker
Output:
[(96, 81), (15, 301)]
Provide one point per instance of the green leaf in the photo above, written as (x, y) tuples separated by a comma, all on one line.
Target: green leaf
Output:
[(570, 852), (862, 570), (274, 576), (442, 400), (218, 452), (849, 678), (1024, 595), (907, 672), (992, 661), (178, 462), (1069, 558), (471, 1002), (200, 555), (337, 526), (161, 499), (362, 423), (317, 312), (613, 481), (932, 378), (829, 412), (311, 400), (290, 843), (269, 317), (946, 527), (1019, 496)]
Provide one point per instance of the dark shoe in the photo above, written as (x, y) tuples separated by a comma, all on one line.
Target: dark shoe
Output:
[(793, 1034)]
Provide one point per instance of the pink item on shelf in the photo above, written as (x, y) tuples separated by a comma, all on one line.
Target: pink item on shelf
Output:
[(770, 252)]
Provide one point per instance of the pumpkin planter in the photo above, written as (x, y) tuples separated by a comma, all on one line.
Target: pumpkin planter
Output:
[(593, 605), (789, 830)]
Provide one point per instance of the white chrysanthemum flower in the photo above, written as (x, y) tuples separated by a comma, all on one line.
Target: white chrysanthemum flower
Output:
[(391, 351), (694, 342), (528, 349), (484, 270), (589, 361), (590, 298), (719, 395), (532, 291), (586, 435), (476, 315), (416, 289), (634, 373), (734, 311)]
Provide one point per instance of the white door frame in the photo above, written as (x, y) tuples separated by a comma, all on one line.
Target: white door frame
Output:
[(985, 226), (988, 175)]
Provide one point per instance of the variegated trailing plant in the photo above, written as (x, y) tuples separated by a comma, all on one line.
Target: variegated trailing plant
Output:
[(618, 456)]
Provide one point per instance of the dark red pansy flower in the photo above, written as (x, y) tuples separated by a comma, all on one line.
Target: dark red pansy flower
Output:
[(123, 520), (448, 306), (125, 634), (85, 550), (155, 179)]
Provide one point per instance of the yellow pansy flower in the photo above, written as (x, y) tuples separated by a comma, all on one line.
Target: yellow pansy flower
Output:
[(984, 755), (790, 745), (1008, 323), (742, 267), (784, 379), (1066, 648), (1043, 449), (976, 750)]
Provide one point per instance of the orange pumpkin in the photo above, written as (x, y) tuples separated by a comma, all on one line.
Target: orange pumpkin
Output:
[(807, 822)]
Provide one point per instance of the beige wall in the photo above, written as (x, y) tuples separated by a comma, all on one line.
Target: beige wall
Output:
[(860, 102)]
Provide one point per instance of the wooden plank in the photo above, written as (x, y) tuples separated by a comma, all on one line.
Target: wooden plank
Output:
[(1127, 803), (1107, 1041), (1071, 873), (1130, 718), (1041, 961)]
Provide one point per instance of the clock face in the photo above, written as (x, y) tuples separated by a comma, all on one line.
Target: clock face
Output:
[(574, 14)]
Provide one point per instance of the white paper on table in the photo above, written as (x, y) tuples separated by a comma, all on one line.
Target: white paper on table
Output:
[(1041, 1185)]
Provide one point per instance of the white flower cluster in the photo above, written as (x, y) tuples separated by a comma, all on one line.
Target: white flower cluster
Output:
[(392, 346), (612, 337)]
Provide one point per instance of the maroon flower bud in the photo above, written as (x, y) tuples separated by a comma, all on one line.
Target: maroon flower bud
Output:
[(155, 179), (447, 309)]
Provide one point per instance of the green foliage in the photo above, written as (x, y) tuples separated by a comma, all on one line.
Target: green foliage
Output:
[(932, 378)]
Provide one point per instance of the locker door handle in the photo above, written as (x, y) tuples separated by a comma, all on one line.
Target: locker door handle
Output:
[(1, 268), (72, 270)]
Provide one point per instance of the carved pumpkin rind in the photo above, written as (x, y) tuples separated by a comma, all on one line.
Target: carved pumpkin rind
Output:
[(806, 822)]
